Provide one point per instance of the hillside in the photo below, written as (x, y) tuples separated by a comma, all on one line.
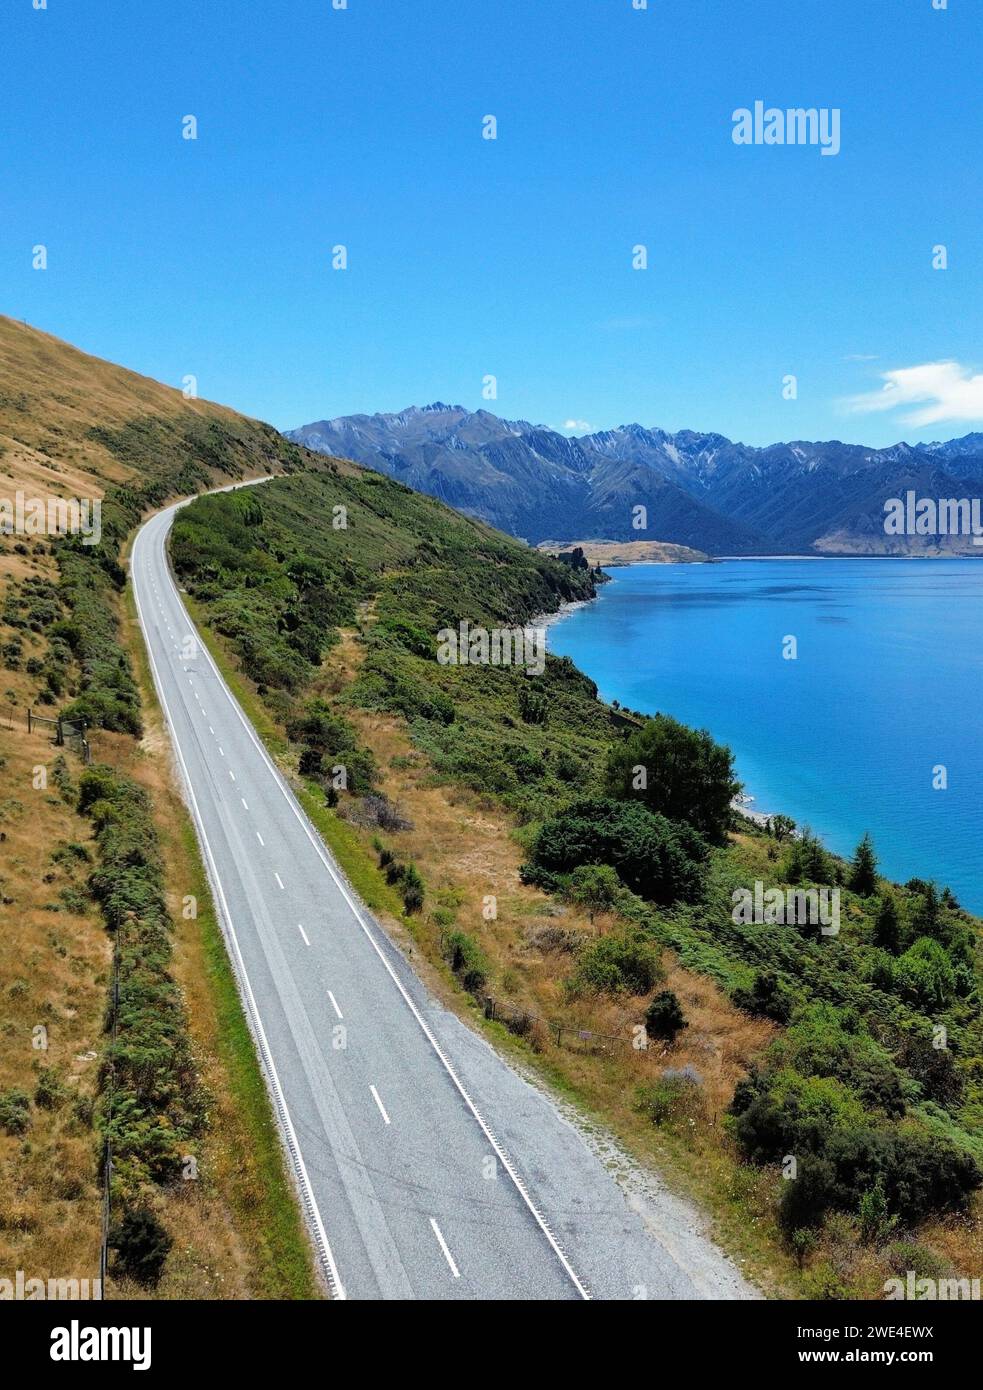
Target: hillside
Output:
[(699, 490), (615, 553), (72, 426), (500, 807)]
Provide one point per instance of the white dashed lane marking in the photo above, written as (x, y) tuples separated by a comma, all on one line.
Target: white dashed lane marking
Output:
[(382, 1108)]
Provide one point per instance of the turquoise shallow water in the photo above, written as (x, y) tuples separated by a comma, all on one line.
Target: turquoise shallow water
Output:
[(888, 683)]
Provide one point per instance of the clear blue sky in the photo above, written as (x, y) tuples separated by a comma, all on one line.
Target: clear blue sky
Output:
[(512, 257)]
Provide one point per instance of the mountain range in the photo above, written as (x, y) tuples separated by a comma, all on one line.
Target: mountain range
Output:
[(699, 490)]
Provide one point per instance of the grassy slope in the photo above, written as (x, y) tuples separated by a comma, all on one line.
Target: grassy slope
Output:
[(74, 426), (401, 569)]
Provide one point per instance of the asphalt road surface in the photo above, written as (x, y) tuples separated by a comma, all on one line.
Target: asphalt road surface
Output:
[(427, 1168)]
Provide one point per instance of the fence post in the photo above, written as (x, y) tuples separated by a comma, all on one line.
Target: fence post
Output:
[(29, 729)]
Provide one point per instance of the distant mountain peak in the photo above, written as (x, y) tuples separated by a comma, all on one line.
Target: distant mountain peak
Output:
[(697, 489)]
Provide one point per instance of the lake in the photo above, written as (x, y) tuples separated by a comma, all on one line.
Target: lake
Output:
[(886, 686)]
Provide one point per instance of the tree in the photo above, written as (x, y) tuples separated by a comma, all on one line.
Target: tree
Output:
[(887, 934), (808, 861), (782, 827), (677, 772), (863, 875), (808, 1195), (928, 913), (595, 887), (664, 1017), (141, 1244), (876, 1222)]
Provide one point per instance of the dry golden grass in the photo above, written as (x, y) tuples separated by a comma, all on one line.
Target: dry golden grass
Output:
[(53, 974), (51, 395), (55, 966)]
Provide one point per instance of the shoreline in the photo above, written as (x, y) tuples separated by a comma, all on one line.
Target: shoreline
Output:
[(740, 804)]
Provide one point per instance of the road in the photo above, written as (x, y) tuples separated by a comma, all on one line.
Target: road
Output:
[(427, 1167)]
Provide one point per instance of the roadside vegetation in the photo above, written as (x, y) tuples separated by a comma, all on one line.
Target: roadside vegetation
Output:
[(820, 1091), (98, 863)]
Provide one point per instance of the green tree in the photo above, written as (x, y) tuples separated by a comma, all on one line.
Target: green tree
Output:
[(863, 873), (782, 827), (876, 1222), (664, 1017), (141, 1244), (595, 887), (929, 911), (887, 932), (677, 772)]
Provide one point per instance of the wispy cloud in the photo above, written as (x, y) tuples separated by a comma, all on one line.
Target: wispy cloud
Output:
[(581, 425), (937, 390), (861, 357)]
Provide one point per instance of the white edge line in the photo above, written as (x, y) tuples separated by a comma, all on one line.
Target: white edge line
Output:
[(303, 934), (334, 1005), (319, 847), (335, 1285)]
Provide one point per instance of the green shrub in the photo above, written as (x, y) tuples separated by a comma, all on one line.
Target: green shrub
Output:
[(49, 1091), (664, 1017), (141, 1245), (412, 889), (15, 1111), (611, 964), (467, 960), (658, 859)]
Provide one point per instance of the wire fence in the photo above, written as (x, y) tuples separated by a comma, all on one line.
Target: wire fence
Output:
[(66, 733), (569, 1035)]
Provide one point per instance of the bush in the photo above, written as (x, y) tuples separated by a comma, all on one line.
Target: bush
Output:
[(664, 1017), (141, 1245), (658, 859), (49, 1091), (675, 1095), (412, 889), (768, 997), (15, 1111), (467, 960), (595, 887), (807, 1197), (612, 964), (924, 976)]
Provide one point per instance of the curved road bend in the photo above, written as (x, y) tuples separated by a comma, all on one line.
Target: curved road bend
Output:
[(427, 1168)]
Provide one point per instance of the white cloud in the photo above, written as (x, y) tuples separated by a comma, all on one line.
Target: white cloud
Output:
[(938, 390), (581, 425)]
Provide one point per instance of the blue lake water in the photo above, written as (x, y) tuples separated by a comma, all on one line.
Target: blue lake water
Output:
[(887, 684)]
